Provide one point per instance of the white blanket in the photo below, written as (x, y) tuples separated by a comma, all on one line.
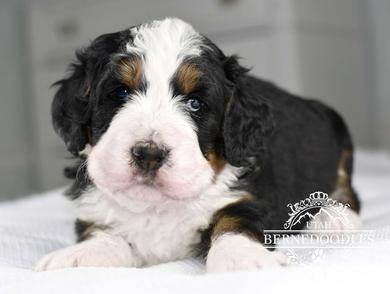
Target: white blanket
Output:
[(31, 227)]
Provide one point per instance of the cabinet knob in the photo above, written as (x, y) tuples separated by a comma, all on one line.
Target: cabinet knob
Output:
[(228, 2), (67, 29)]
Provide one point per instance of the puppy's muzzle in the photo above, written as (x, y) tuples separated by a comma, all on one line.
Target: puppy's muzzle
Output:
[(148, 156)]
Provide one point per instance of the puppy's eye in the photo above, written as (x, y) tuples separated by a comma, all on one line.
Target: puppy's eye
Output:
[(122, 92), (194, 104)]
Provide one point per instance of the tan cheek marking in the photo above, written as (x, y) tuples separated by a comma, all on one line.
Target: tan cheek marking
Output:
[(188, 77), (131, 71), (248, 197), (216, 161)]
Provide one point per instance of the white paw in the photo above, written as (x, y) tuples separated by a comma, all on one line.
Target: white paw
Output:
[(235, 252), (107, 251)]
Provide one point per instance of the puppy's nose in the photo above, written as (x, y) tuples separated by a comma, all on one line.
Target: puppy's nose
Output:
[(148, 156)]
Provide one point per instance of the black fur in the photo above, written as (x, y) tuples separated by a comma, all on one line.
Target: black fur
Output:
[(298, 144)]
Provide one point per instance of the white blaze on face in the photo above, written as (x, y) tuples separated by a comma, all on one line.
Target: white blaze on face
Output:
[(154, 115)]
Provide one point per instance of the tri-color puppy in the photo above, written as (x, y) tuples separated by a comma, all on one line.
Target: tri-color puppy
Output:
[(183, 153)]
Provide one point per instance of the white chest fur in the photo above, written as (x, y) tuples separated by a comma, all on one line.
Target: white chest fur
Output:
[(158, 231)]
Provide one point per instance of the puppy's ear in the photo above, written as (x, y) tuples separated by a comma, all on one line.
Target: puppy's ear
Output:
[(71, 107), (70, 114), (248, 119)]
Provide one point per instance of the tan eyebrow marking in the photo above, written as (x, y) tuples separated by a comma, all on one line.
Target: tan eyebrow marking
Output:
[(188, 76), (131, 72)]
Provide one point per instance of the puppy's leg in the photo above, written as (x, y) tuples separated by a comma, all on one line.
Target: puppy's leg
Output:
[(101, 250), (345, 194), (233, 242)]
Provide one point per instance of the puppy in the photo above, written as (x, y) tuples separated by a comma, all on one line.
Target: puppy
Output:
[(183, 153)]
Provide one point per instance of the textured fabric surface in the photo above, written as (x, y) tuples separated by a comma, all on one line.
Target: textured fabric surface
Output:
[(36, 225)]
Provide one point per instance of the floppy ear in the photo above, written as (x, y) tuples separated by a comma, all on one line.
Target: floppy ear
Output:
[(248, 119), (71, 107), (70, 114)]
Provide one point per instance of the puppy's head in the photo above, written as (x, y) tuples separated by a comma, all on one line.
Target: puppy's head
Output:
[(161, 108)]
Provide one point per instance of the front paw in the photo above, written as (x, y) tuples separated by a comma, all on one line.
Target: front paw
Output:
[(97, 252), (235, 252)]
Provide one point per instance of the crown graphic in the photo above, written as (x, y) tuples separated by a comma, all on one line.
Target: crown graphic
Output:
[(318, 199), (314, 200)]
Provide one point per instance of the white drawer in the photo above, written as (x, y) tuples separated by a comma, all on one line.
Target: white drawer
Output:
[(62, 27)]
